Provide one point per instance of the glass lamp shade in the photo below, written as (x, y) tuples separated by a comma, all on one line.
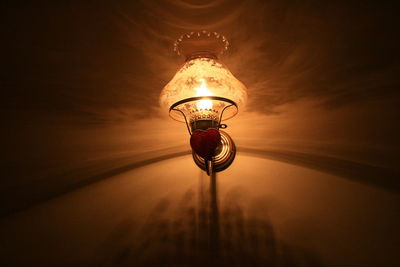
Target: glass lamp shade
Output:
[(203, 89)]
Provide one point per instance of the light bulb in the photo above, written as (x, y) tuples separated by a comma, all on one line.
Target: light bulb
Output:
[(202, 90)]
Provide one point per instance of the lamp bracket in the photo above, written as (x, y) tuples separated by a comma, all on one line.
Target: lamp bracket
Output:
[(224, 156)]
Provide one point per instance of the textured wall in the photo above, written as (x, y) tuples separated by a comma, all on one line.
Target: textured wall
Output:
[(257, 212), (80, 85)]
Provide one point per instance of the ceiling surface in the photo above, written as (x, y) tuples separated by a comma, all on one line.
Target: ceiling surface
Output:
[(80, 84)]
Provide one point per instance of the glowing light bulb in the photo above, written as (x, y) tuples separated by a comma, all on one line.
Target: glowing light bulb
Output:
[(202, 90)]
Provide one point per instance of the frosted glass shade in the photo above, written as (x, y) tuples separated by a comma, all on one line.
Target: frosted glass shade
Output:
[(203, 77)]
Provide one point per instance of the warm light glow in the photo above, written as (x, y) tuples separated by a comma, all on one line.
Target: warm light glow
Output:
[(202, 90), (214, 78)]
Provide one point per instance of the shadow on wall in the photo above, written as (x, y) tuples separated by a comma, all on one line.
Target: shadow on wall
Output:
[(200, 234)]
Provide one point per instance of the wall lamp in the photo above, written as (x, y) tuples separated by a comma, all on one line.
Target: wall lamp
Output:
[(203, 93)]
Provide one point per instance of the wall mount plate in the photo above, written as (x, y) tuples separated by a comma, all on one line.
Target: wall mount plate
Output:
[(225, 154)]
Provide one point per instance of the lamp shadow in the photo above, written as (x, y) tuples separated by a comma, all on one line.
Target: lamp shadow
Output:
[(200, 233)]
